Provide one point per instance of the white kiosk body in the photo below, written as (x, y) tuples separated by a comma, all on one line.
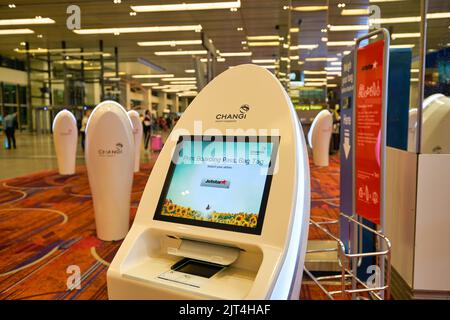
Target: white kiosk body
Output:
[(109, 157), (65, 138), (137, 132), (319, 137), (436, 125), (225, 212)]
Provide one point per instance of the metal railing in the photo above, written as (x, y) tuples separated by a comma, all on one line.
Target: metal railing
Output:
[(349, 281)]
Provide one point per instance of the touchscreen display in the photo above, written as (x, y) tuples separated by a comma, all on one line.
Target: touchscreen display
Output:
[(219, 182)]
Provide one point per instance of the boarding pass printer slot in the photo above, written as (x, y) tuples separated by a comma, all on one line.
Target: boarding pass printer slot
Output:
[(203, 251)]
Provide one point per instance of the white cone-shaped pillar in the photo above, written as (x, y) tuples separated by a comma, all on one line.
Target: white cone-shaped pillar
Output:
[(137, 132), (319, 137), (109, 156), (65, 137)]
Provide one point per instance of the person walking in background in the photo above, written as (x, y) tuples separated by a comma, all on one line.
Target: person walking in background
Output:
[(147, 124), (10, 123), (83, 127)]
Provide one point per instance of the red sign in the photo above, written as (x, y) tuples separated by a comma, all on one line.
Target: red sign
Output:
[(369, 88)]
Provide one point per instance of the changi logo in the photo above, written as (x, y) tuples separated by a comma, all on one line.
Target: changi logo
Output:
[(216, 183), (111, 152), (244, 108), (66, 133), (234, 116)]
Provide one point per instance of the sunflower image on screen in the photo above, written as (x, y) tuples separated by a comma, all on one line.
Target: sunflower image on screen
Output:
[(218, 184), (243, 219)]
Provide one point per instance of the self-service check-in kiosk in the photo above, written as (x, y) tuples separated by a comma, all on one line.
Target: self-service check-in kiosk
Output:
[(319, 137), (137, 133), (109, 157), (435, 125), (65, 137), (225, 211)]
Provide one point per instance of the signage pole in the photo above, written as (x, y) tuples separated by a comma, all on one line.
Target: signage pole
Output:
[(354, 245)]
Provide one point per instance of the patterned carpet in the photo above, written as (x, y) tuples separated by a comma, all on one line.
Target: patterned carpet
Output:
[(47, 224)]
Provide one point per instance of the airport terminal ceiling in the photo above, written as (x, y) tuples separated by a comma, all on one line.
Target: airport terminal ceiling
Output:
[(227, 29)]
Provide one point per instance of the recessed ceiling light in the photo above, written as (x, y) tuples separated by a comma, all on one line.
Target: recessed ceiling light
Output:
[(401, 46), (139, 29), (263, 38), (132, 13), (183, 82), (310, 8), (15, 31), (304, 46), (236, 54), (434, 15), (320, 59), (315, 84), (263, 61), (355, 12), (270, 67), (315, 79), (39, 36), (188, 6), (354, 27), (264, 44), (181, 53), (16, 22), (172, 43), (239, 29), (180, 79), (340, 43), (406, 35), (438, 15), (86, 54), (313, 72), (151, 76), (12, 6)]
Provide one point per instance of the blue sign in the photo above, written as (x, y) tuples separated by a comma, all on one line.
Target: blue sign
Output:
[(346, 161), (345, 143)]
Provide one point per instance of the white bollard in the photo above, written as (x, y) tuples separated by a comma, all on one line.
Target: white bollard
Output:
[(319, 137), (109, 157), (65, 138), (137, 132)]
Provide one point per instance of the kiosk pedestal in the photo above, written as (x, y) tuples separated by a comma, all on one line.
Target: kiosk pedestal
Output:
[(65, 137), (319, 137), (110, 164), (225, 211), (137, 133)]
